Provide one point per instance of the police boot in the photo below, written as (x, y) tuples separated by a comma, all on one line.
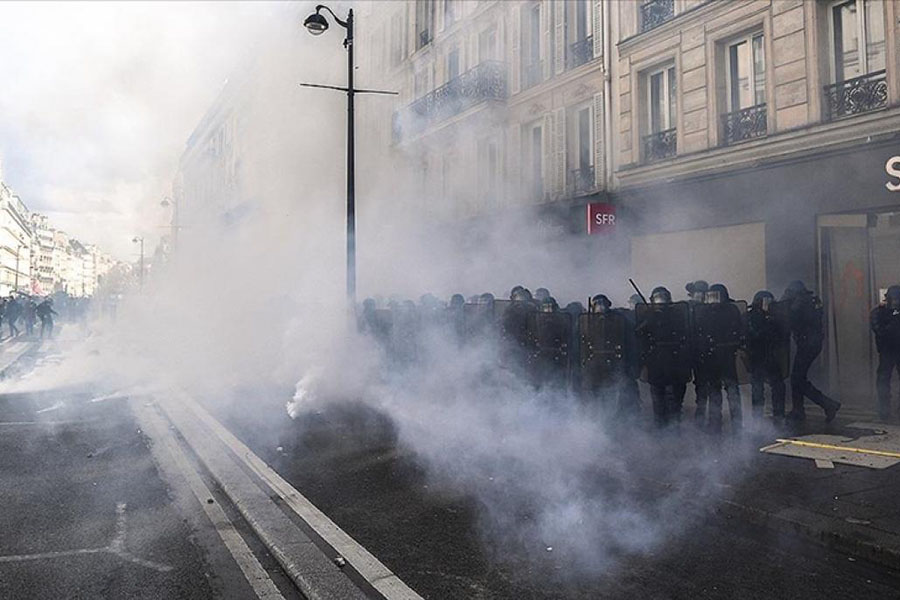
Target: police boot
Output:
[(832, 406)]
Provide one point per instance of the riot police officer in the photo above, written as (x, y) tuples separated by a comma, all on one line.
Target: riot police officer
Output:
[(516, 330), (805, 317), (720, 328), (541, 294), (885, 322), (662, 333), (696, 291), (769, 351)]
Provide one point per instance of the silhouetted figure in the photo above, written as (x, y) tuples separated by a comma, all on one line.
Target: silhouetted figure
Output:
[(29, 316), (13, 312), (45, 313), (885, 321), (769, 346), (805, 315)]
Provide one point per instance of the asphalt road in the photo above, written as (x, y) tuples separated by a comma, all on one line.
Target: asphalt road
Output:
[(347, 461), (88, 514)]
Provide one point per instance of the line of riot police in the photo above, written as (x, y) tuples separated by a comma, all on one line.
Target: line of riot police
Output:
[(600, 352)]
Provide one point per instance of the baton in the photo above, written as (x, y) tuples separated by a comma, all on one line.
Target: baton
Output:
[(634, 285)]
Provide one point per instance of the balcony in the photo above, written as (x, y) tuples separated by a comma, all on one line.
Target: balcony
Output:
[(483, 83), (580, 181), (745, 124), (855, 96), (660, 145), (580, 52), (532, 75), (656, 12)]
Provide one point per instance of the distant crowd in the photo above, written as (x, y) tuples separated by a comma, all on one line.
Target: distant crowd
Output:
[(600, 352), (20, 313)]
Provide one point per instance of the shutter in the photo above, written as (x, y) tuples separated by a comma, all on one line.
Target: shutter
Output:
[(514, 163), (559, 49), (546, 45), (439, 15), (515, 62), (597, 27), (548, 172), (559, 155), (599, 143)]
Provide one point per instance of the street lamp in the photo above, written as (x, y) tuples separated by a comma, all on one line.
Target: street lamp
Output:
[(316, 23), (136, 240)]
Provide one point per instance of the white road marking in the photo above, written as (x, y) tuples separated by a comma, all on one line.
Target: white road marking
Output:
[(31, 423), (55, 406), (116, 547), (253, 571)]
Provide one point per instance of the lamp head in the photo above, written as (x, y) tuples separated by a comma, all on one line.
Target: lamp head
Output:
[(316, 23)]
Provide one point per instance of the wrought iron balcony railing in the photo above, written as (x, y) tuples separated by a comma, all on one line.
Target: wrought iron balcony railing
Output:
[(660, 145), (532, 75), (580, 180), (580, 52), (745, 124), (484, 82), (857, 95), (656, 12), (424, 38)]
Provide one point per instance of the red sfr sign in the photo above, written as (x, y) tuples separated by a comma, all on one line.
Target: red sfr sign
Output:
[(601, 218)]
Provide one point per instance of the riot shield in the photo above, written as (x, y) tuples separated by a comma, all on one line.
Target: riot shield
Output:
[(602, 348), (552, 334), (719, 333), (478, 320), (405, 334), (380, 326), (500, 308), (662, 332), (781, 348)]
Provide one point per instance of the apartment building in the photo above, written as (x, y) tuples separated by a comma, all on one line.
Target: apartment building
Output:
[(501, 105), (757, 142)]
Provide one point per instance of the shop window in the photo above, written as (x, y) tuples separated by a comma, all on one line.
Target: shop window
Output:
[(857, 58), (745, 74)]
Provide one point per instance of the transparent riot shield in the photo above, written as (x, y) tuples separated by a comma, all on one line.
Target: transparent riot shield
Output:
[(500, 308), (381, 325), (719, 335), (405, 334), (662, 332), (602, 348), (478, 321), (781, 349), (552, 334)]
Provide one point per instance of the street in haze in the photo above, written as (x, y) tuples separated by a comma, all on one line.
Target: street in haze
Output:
[(450, 300)]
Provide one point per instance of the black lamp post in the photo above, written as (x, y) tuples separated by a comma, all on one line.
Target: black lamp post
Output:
[(316, 23)]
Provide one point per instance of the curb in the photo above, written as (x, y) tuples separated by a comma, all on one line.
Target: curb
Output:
[(801, 523), (321, 561), (6, 363)]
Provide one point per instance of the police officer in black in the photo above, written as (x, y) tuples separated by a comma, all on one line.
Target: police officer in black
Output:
[(697, 295), (667, 373), (717, 353), (766, 338), (805, 316), (885, 322)]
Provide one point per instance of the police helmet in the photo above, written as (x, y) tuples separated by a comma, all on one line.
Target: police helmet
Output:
[(574, 308), (514, 291), (457, 300), (634, 300), (541, 294), (892, 296), (600, 304), (549, 304), (521, 295), (369, 304), (717, 294), (660, 295), (763, 299), (794, 289), (486, 298)]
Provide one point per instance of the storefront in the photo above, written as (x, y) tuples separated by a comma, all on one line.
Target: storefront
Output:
[(831, 220)]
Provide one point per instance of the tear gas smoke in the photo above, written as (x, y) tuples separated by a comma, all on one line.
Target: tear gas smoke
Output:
[(254, 300)]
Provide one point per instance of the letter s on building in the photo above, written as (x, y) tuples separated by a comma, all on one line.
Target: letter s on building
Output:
[(892, 166)]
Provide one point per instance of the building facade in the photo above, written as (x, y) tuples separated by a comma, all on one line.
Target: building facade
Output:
[(15, 243), (758, 142)]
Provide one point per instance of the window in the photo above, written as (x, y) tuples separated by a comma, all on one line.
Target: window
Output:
[(662, 100), (745, 99), (531, 44), (581, 40), (857, 65), (487, 45), (450, 12), (656, 12), (580, 150), (533, 159), (746, 73), (424, 22), (453, 64), (660, 139), (488, 170)]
